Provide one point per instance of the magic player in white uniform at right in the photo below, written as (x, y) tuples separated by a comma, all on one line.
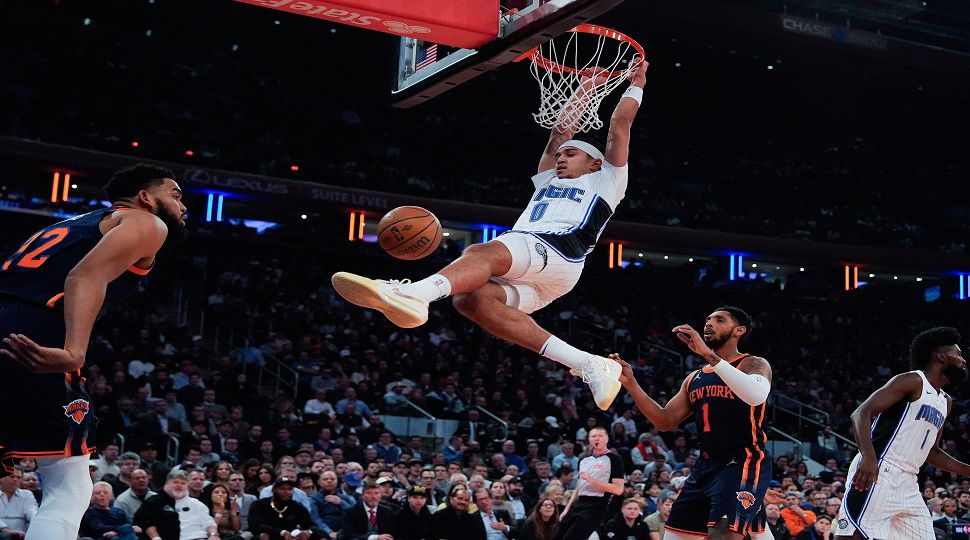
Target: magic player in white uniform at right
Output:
[(883, 500), (499, 283)]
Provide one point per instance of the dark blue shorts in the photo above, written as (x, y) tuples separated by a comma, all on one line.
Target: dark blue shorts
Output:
[(730, 487), (43, 415)]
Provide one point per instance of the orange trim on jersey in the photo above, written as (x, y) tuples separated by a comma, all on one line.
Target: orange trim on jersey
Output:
[(691, 533), (757, 470), (762, 418), (139, 271), (744, 469), (54, 299), (58, 453)]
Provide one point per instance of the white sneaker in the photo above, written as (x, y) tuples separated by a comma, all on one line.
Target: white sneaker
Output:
[(603, 377), (384, 296)]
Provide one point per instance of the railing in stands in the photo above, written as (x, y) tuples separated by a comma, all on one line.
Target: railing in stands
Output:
[(172, 452), (802, 412), (796, 449), (504, 426), (432, 428), (281, 376), (120, 441), (579, 326), (273, 376)]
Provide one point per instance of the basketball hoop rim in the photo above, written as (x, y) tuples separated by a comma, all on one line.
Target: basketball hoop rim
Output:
[(586, 28)]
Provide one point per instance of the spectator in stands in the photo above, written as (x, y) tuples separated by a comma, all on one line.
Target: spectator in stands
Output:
[(18, 505), (225, 512), (511, 458), (350, 396), (196, 483), (386, 449), (279, 514), (158, 426), (935, 506), (329, 503), (240, 499), (454, 451), (352, 450), (951, 514), (149, 462), (833, 506), (433, 496), (31, 483), (191, 520), (492, 522), (101, 521), (542, 521), (454, 520), (655, 521), (107, 462), (319, 404), (413, 521), (230, 451), (500, 497), (137, 493), (628, 524), (820, 530), (658, 465), (776, 524), (796, 517), (567, 456), (644, 452), (368, 517)]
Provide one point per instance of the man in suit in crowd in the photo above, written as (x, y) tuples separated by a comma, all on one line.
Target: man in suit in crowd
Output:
[(368, 518), (491, 523)]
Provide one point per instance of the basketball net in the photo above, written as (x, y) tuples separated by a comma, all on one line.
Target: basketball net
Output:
[(573, 85)]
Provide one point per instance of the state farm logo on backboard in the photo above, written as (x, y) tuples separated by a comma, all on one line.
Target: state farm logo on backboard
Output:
[(319, 10)]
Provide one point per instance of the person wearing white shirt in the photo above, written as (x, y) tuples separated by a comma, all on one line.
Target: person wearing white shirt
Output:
[(567, 456), (17, 506), (319, 404), (627, 420), (107, 462)]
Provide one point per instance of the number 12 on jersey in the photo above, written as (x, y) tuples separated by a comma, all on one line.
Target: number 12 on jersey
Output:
[(36, 257)]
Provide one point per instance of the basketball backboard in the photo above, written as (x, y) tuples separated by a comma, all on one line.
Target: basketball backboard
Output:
[(425, 70)]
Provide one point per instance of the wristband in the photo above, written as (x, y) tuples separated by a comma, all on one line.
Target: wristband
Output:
[(635, 93)]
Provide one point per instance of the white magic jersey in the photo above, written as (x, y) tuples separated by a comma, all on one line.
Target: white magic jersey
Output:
[(904, 434), (577, 206)]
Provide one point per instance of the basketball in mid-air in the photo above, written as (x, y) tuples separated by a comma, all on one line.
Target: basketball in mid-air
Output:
[(409, 232)]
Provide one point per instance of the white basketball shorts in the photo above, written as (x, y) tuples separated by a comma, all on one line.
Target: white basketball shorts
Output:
[(892, 509), (538, 274)]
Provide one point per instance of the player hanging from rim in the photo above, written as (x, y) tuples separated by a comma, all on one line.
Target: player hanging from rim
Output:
[(51, 292), (497, 284), (722, 497), (883, 499)]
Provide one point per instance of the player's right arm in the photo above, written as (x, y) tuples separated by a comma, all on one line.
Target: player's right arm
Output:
[(903, 386), (665, 418), (138, 236)]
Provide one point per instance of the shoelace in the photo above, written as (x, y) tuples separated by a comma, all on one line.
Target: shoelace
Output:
[(586, 376), (396, 282)]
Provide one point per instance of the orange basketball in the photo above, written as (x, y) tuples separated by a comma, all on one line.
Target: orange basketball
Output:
[(409, 232)]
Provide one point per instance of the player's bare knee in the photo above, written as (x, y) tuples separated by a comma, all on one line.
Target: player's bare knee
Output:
[(494, 253)]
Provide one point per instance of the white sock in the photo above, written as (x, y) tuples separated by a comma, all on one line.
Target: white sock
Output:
[(430, 288), (564, 353), (67, 494)]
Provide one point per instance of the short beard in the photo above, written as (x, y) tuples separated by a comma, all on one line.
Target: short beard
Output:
[(176, 494), (955, 374), (717, 342), (176, 231)]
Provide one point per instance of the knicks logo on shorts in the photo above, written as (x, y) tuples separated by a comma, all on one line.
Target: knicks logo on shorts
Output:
[(77, 409), (843, 524), (746, 498)]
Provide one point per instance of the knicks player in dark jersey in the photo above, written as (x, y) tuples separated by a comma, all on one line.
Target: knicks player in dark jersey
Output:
[(722, 497), (52, 289)]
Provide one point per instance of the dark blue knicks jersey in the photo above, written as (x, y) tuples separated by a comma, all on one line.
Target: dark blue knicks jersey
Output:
[(726, 425), (35, 273)]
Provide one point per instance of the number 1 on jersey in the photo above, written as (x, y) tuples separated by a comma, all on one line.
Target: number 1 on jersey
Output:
[(707, 420)]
